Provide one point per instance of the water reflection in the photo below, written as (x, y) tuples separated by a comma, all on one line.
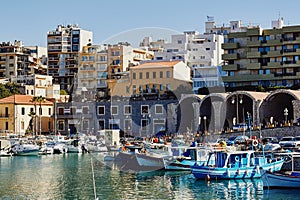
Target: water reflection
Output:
[(70, 177)]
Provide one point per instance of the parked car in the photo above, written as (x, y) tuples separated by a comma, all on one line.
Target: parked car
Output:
[(236, 140), (289, 141), (273, 140)]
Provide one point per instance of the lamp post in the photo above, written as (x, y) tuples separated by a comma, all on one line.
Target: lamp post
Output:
[(285, 113), (237, 99), (204, 124)]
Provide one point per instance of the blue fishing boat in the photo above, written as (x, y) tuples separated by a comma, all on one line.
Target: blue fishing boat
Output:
[(235, 165)]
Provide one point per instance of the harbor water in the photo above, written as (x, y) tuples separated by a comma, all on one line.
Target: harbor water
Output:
[(69, 176)]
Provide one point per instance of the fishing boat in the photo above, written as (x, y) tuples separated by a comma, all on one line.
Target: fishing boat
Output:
[(282, 179), (189, 158), (224, 164), (5, 146), (20, 149)]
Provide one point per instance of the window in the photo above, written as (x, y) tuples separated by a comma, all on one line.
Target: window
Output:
[(161, 74), (168, 74), (144, 124), (23, 111), (133, 75), (101, 124), (49, 111), (207, 49), (161, 87), (141, 75), (22, 125), (114, 110), (101, 110), (158, 109), (61, 125), (127, 124), (85, 110), (85, 124), (75, 39), (147, 75), (134, 89), (127, 109), (75, 48), (144, 109), (168, 87), (154, 75)]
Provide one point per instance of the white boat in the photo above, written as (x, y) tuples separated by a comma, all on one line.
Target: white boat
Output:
[(5, 146), (59, 148), (25, 149), (287, 180), (74, 146), (95, 146), (47, 148), (150, 160)]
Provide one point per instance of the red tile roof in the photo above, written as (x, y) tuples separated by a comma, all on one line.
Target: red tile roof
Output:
[(157, 64), (21, 99)]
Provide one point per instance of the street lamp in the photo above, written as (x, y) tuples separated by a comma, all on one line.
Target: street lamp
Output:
[(237, 99), (204, 124), (285, 113)]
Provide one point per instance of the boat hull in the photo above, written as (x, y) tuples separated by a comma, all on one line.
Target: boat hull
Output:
[(203, 172), (276, 180), (154, 162)]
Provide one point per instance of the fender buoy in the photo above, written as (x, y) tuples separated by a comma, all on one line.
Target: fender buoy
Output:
[(255, 143)]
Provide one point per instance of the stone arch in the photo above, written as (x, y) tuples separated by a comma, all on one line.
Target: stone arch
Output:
[(238, 105), (212, 113), (187, 110), (272, 110)]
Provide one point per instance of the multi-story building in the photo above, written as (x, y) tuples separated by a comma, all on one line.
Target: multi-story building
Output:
[(18, 60), (64, 43), (263, 57), (153, 78), (16, 115), (38, 85), (92, 71)]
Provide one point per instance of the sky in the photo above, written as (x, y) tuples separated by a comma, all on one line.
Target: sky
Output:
[(113, 20)]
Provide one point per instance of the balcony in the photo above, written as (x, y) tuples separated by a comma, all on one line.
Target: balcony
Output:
[(291, 63), (273, 43), (254, 43), (253, 66), (4, 115), (254, 31), (233, 56), (231, 67), (291, 29), (273, 65), (230, 45), (291, 40), (255, 54), (273, 54), (248, 78)]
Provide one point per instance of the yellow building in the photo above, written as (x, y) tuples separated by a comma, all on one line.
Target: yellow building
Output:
[(15, 115), (153, 77)]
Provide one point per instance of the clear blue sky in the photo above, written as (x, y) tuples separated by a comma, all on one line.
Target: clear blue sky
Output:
[(30, 20)]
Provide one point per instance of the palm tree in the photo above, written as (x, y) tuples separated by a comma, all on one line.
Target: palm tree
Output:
[(39, 100)]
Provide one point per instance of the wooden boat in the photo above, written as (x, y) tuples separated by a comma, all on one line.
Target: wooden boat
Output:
[(287, 180), (280, 180), (235, 165), (184, 163)]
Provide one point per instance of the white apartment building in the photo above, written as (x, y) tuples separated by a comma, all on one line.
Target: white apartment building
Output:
[(38, 85)]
